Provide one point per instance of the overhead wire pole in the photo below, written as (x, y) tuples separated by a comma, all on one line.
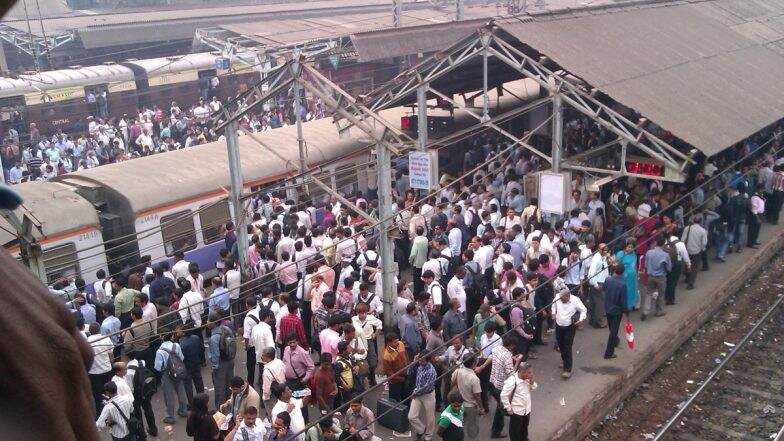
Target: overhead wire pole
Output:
[(397, 13), (235, 173), (295, 71), (422, 116), (386, 245), (557, 142), (460, 4)]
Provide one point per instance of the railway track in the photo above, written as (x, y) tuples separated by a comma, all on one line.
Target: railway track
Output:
[(743, 397)]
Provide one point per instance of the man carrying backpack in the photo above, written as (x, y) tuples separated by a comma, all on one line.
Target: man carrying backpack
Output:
[(143, 386), (475, 286), (171, 367), (223, 348)]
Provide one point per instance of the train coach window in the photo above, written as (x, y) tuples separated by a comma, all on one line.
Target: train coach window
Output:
[(212, 218), (346, 179), (61, 261), (178, 232)]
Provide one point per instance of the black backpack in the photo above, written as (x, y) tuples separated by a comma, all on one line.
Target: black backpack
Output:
[(144, 383), (175, 367), (475, 221), (227, 344), (478, 282), (372, 263), (270, 278)]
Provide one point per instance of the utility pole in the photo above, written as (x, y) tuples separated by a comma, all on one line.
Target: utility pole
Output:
[(295, 69), (421, 116), (460, 10), (397, 13), (388, 264), (235, 173), (29, 251), (557, 143)]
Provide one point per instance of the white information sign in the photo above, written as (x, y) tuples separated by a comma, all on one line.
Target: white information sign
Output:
[(419, 170), (553, 189)]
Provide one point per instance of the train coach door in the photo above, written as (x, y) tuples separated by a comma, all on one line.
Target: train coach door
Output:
[(208, 84), (97, 98), (13, 113)]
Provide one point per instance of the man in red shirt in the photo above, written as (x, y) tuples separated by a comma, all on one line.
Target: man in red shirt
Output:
[(292, 324)]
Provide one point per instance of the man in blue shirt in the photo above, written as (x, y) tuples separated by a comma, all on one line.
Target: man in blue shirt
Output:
[(171, 387), (219, 299), (222, 370), (409, 332), (657, 264), (162, 286), (423, 401), (111, 326)]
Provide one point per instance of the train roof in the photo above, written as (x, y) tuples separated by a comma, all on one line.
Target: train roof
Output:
[(174, 177), (158, 180), (56, 206), (175, 64), (64, 78)]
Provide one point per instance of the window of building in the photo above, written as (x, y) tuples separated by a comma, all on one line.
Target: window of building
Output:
[(178, 232), (61, 261), (212, 219)]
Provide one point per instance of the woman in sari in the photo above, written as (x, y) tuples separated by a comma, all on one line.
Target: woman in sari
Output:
[(628, 258)]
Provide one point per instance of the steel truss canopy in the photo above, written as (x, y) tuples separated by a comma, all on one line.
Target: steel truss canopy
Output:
[(706, 71)]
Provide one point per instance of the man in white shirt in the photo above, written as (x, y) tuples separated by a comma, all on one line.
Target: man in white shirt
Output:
[(597, 273), (565, 309), (261, 337), (117, 410), (516, 399), (435, 291), (455, 237), (273, 371), (249, 427), (180, 267), (484, 257), (120, 372), (101, 370), (433, 265), (510, 220), (455, 288), (191, 307), (102, 287)]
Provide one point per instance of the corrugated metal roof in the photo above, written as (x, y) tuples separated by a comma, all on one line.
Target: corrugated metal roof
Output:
[(57, 206), (288, 32), (687, 67), (390, 43)]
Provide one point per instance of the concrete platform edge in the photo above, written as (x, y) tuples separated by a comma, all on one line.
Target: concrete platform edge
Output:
[(594, 412)]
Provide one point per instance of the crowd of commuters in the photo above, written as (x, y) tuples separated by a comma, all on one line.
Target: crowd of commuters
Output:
[(485, 279), (102, 139)]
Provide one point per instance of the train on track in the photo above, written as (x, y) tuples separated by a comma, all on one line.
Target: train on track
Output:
[(108, 217), (58, 99)]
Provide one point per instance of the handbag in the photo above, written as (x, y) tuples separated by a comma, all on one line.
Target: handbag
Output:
[(132, 423)]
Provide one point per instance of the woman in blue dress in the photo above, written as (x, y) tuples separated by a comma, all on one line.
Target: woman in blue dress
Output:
[(628, 258)]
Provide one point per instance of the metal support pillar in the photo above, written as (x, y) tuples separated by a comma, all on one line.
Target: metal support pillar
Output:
[(557, 142), (235, 173), (386, 245), (298, 111), (460, 10), (485, 98), (397, 13), (422, 116)]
